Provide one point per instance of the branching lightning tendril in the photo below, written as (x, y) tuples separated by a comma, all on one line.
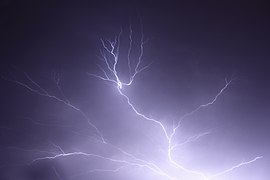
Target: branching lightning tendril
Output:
[(109, 68)]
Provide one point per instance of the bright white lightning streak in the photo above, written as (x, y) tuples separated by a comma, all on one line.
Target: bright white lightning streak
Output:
[(113, 51), (110, 56), (139, 163), (127, 163), (42, 92), (235, 167)]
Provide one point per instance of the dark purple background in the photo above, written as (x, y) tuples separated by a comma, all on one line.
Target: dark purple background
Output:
[(193, 46)]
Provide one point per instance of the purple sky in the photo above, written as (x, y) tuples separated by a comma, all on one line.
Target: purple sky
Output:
[(191, 49)]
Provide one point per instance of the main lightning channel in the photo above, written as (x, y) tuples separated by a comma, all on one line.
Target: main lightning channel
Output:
[(110, 74), (110, 58)]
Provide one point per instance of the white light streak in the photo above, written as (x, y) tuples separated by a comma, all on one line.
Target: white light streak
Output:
[(37, 89), (109, 68), (235, 167), (113, 51)]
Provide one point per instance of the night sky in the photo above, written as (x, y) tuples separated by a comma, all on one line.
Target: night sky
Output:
[(56, 110)]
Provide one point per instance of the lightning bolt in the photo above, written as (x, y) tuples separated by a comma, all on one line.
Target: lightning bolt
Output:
[(109, 72), (235, 167), (36, 88)]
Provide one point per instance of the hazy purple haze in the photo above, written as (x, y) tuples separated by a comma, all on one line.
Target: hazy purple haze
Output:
[(56, 131)]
